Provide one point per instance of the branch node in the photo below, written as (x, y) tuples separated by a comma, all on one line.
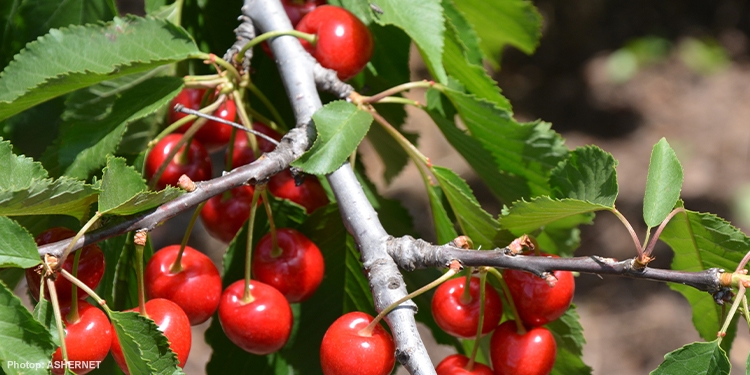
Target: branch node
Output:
[(140, 237)]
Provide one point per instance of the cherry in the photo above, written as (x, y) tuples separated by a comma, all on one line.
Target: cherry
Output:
[(213, 134), (343, 44), (171, 321), (461, 318), (242, 152), (261, 326), (537, 302), (197, 165), (224, 214), (309, 195), (345, 351), (87, 340), (196, 288), (90, 266), (532, 353), (296, 9), (455, 364), (296, 271), (189, 98)]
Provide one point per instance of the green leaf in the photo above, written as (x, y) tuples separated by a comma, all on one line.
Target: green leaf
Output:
[(124, 290), (24, 339), (34, 129), (528, 150), (124, 192), (475, 222), (524, 217), (399, 221), (567, 363), (423, 21), (444, 229), (701, 241), (112, 249), (503, 22), (85, 55), (568, 334), (12, 276), (44, 314), (340, 126), (17, 247), (588, 175), (465, 32), (63, 196), (562, 237), (144, 347), (663, 184), (97, 118), (696, 358), (391, 153)]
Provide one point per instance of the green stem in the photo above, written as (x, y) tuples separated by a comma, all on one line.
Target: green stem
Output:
[(259, 117), (466, 295), (80, 284), (58, 318), (248, 123), (400, 88), (230, 150), (139, 276), (267, 103), (399, 100), (410, 149), (482, 285), (657, 234), (73, 313), (246, 296), (311, 38), (520, 329), (630, 230), (745, 311), (78, 235), (737, 300), (275, 250), (179, 123), (211, 58), (177, 265)]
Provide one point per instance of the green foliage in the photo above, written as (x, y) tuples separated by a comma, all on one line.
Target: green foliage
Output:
[(144, 347), (124, 191), (568, 334), (663, 184), (695, 358), (587, 175), (524, 217), (17, 248)]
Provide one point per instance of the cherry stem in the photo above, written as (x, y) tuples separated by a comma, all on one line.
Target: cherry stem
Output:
[(267, 103), (745, 311), (466, 295), (213, 59), (58, 318), (482, 285), (73, 313), (625, 221), (410, 149), (140, 243), (80, 284), (520, 329), (737, 300), (310, 38), (652, 243), (247, 123), (183, 158), (400, 88), (259, 117), (246, 296), (176, 267), (276, 251), (399, 100), (455, 266), (179, 123), (230, 150), (78, 235)]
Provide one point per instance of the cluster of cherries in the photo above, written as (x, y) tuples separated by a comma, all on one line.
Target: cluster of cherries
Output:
[(522, 347)]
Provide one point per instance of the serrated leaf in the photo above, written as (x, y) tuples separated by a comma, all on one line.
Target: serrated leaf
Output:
[(423, 21), (17, 247), (528, 150), (568, 334), (144, 347), (503, 22), (63, 196), (399, 221), (86, 55), (701, 241), (97, 118), (567, 363), (340, 126), (34, 129), (124, 290), (444, 230), (663, 184), (562, 237), (44, 314), (524, 217), (696, 358), (391, 153), (588, 175), (124, 192), (24, 339), (112, 249), (475, 222)]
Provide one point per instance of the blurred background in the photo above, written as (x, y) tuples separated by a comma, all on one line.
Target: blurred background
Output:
[(621, 75)]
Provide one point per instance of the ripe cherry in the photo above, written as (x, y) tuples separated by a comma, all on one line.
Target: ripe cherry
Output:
[(345, 351), (196, 287), (309, 195), (171, 321), (343, 44), (224, 214), (532, 353), (296, 9), (87, 340), (455, 364), (213, 134), (196, 164), (242, 152), (537, 302), (296, 271), (90, 266), (261, 326), (461, 318), (189, 98)]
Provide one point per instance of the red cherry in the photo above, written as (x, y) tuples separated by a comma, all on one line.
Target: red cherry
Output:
[(296, 272), (455, 364), (213, 134), (224, 214), (171, 321), (532, 353), (296, 9), (189, 98), (344, 43), (87, 340), (90, 267), (196, 288), (536, 301), (197, 166), (344, 351), (309, 195), (460, 318), (261, 326), (242, 152)]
